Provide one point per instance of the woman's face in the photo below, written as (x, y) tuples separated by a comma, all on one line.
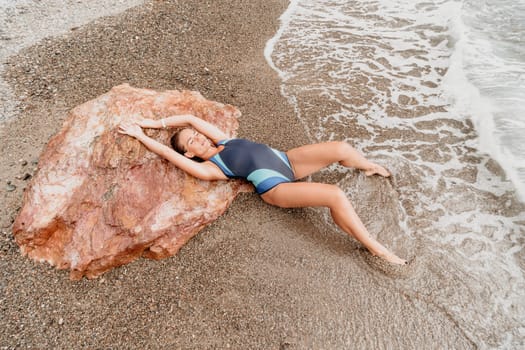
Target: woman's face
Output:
[(195, 143)]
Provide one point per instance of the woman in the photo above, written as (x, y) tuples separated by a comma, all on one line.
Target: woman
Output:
[(272, 172)]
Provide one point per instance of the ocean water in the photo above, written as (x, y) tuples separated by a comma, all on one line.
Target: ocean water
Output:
[(435, 90)]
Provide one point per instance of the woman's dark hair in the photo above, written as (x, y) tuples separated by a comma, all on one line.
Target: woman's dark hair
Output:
[(174, 141)]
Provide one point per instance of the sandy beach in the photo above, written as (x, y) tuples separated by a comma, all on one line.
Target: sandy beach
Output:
[(260, 277)]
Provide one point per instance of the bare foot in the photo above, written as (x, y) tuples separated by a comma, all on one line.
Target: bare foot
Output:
[(377, 169), (391, 258)]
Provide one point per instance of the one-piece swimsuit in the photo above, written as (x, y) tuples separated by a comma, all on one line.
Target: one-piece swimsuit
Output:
[(260, 164)]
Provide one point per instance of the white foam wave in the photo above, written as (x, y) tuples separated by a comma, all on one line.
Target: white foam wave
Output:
[(496, 118), (380, 67)]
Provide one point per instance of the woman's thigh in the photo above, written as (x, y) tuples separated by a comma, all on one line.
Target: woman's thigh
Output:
[(302, 194), (309, 159)]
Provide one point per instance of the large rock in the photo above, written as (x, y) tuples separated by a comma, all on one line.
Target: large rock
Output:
[(101, 199)]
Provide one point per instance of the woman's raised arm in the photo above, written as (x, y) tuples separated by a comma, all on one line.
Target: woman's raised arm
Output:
[(203, 171), (202, 126)]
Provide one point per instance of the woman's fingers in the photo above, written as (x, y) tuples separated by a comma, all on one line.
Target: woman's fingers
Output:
[(123, 127), (128, 128)]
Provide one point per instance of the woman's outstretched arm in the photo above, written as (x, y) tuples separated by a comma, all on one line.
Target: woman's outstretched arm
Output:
[(202, 126), (203, 171)]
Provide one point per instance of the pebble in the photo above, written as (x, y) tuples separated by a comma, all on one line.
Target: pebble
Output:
[(24, 177), (10, 187)]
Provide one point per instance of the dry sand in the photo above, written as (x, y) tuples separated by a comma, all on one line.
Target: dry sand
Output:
[(258, 278)]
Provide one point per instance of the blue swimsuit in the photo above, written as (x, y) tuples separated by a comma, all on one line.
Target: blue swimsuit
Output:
[(263, 166)]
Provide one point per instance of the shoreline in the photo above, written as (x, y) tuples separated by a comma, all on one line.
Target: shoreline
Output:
[(259, 277)]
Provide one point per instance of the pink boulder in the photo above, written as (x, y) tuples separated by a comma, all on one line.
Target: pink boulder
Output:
[(100, 199)]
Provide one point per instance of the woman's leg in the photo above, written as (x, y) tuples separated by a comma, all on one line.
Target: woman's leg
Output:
[(308, 159), (308, 194)]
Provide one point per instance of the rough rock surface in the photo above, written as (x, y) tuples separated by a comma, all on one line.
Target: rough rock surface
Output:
[(100, 199)]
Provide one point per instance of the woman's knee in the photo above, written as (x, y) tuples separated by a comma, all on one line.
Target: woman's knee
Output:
[(342, 149), (338, 195)]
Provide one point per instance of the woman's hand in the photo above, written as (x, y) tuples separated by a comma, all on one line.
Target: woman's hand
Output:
[(131, 128)]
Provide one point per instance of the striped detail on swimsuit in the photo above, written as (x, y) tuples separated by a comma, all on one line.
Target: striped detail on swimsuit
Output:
[(260, 164)]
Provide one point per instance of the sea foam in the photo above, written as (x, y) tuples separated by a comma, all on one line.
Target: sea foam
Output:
[(397, 80)]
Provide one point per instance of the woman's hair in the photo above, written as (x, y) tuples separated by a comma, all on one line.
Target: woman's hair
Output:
[(174, 141)]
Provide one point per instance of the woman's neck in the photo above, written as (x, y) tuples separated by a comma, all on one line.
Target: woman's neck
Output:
[(211, 152)]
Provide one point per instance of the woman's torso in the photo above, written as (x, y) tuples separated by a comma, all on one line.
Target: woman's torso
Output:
[(260, 164)]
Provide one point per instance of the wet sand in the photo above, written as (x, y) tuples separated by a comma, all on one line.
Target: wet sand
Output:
[(259, 277)]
